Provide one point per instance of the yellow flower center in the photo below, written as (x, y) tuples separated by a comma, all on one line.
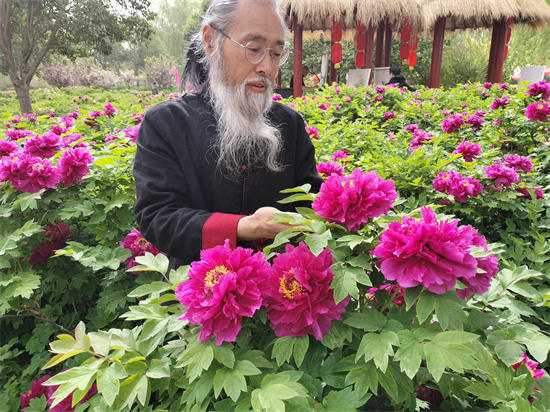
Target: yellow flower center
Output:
[(540, 106), (290, 286), (213, 276), (142, 243)]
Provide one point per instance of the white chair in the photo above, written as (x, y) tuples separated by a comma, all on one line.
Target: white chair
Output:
[(532, 73), (381, 75), (358, 77)]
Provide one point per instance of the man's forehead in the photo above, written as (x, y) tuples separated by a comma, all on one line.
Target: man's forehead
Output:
[(252, 36)]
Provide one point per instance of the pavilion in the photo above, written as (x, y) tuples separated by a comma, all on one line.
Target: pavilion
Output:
[(375, 21)]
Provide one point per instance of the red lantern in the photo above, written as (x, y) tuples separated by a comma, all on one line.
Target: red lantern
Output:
[(412, 59), (508, 34), (404, 51), (405, 33), (336, 53), (336, 32), (360, 41), (505, 52), (413, 44)]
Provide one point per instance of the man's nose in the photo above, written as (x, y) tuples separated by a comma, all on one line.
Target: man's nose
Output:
[(265, 66)]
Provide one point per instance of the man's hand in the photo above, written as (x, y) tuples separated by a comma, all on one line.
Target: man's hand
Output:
[(258, 225)]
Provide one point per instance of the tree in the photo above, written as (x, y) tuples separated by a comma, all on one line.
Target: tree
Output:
[(31, 29)]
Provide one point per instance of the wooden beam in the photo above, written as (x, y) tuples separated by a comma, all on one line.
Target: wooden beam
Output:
[(437, 52), (387, 45), (496, 56), (379, 57)]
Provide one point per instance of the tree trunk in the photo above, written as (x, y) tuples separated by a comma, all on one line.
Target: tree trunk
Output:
[(22, 91)]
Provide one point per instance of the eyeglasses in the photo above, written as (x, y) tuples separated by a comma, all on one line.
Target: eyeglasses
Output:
[(255, 51)]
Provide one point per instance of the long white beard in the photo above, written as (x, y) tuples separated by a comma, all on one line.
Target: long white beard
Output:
[(245, 135)]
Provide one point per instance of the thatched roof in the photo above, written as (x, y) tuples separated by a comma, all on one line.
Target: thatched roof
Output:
[(482, 13), (393, 11), (318, 14)]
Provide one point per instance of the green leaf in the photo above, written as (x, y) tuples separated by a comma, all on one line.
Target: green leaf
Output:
[(298, 197), (344, 282), (411, 295), (271, 397), (449, 313), (425, 306), (317, 242), (369, 320), (158, 369), (448, 349), (158, 263), (108, 383), (132, 387), (378, 347), (101, 342), (233, 381), (364, 377), (224, 354), (345, 400), (197, 358), (508, 351), (409, 354), (301, 345), (305, 188), (150, 288)]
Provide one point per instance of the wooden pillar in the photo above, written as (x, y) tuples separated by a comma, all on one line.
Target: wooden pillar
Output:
[(297, 27), (496, 59), (278, 81), (379, 57), (332, 74), (387, 45), (369, 48), (437, 52)]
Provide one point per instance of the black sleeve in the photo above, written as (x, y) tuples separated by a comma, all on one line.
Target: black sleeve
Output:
[(306, 165), (162, 208)]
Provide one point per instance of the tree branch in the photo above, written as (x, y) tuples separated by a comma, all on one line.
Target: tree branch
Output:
[(5, 40), (28, 35)]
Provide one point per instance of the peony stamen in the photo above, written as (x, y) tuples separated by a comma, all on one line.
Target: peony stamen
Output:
[(212, 277), (290, 287), (142, 243)]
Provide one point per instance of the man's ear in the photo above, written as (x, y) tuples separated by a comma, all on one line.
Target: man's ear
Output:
[(208, 39)]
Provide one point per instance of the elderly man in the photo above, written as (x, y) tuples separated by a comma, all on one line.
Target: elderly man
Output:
[(210, 166)]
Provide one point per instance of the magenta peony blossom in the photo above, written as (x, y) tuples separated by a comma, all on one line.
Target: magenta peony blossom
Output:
[(132, 133), (498, 103), (487, 85), (94, 114), (452, 123), (223, 287), (475, 121), (525, 192), (313, 132), (469, 151), (43, 146), (504, 176), (538, 111), (411, 127), (434, 254), (379, 89), (7, 148), (455, 184), (542, 88), (297, 293), (328, 168), (36, 391), (503, 86), (69, 122), (109, 109), (518, 163), (389, 115), (394, 291), (59, 130), (378, 98), (276, 97), (57, 235), (351, 200), (340, 154), (138, 246), (420, 138), (28, 173), (16, 134), (73, 165), (531, 365)]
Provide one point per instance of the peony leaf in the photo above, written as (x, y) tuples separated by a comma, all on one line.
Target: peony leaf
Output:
[(150, 288), (317, 242), (409, 354), (425, 306), (364, 378), (305, 188), (224, 354), (108, 384), (449, 312), (378, 347), (301, 345), (369, 320)]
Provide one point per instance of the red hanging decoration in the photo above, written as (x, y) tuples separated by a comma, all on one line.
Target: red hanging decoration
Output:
[(336, 53), (361, 27), (360, 41), (404, 51), (505, 52), (412, 59), (406, 33), (359, 59), (336, 32), (413, 43)]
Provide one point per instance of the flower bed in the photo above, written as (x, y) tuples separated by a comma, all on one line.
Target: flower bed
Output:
[(418, 279)]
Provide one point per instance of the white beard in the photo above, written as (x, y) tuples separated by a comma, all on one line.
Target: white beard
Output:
[(245, 135)]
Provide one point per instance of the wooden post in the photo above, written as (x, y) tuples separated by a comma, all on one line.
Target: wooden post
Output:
[(379, 57), (278, 81), (387, 45), (497, 59), (437, 52), (332, 76), (490, 66), (369, 46), (297, 57)]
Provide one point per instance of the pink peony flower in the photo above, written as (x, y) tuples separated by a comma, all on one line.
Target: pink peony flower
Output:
[(455, 184), (498, 103), (313, 132), (69, 122), (434, 254), (43, 146), (379, 89), (531, 365), (504, 176), (487, 85), (452, 123), (525, 192), (137, 117), (7, 148), (503, 86), (389, 115), (222, 288), (518, 163), (475, 121), (340, 154), (351, 200), (94, 114), (411, 127), (276, 97), (57, 235), (378, 98), (28, 173), (59, 130), (420, 138), (109, 109), (469, 151), (542, 88), (297, 293), (73, 165), (538, 111), (16, 134), (328, 168), (138, 246), (394, 291), (132, 133), (36, 391)]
